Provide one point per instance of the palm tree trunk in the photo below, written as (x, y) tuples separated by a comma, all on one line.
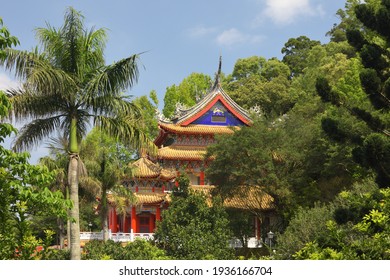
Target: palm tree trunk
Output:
[(61, 232), (68, 222), (75, 253), (104, 215), (73, 173)]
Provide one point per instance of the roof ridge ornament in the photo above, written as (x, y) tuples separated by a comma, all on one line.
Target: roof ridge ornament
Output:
[(217, 82)]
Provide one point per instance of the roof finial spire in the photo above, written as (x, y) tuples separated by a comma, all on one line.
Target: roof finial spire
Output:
[(217, 78)]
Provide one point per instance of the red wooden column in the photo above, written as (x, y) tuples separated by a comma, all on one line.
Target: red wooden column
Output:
[(176, 182), (113, 221), (125, 224), (151, 223), (133, 219), (202, 177), (158, 214)]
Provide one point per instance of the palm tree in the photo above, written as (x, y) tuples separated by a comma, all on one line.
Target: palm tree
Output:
[(66, 86), (107, 163)]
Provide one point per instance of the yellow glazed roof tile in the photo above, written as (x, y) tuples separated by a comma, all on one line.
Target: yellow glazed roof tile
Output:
[(144, 168), (198, 129), (182, 152)]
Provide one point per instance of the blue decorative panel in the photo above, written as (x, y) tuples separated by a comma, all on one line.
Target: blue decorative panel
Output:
[(218, 115)]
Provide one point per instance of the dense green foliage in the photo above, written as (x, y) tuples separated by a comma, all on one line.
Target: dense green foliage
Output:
[(110, 250), (191, 229), (357, 228), (24, 191), (358, 224), (296, 51), (186, 93), (372, 147), (306, 225), (149, 109), (256, 81)]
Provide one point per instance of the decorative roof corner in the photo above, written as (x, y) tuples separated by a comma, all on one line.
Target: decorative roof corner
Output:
[(161, 118), (146, 169)]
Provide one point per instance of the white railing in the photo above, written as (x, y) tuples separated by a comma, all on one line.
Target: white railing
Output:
[(252, 243), (130, 237), (117, 237)]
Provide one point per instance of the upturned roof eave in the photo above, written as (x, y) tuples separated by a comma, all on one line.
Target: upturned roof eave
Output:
[(211, 97)]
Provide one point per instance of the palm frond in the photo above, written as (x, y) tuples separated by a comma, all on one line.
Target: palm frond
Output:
[(49, 162), (27, 105), (94, 45), (71, 32), (58, 144), (91, 186), (126, 130), (50, 39), (39, 74), (122, 198), (114, 78), (111, 105), (32, 133)]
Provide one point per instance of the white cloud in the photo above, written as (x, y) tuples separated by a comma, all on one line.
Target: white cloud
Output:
[(286, 11), (233, 36), (6, 82), (200, 31)]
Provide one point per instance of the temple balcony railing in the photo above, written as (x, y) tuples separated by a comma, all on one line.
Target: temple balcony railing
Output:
[(253, 242), (130, 237), (117, 237)]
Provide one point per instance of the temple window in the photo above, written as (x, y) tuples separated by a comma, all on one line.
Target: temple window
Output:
[(218, 119)]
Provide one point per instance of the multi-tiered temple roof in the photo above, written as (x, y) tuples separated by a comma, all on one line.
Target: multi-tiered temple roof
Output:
[(187, 135), (182, 144)]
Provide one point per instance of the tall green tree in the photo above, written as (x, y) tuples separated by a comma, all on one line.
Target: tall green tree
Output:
[(295, 52), (149, 108), (186, 93), (66, 86), (372, 147), (24, 194), (191, 229), (256, 81)]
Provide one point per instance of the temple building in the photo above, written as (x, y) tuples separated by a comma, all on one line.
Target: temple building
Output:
[(182, 142)]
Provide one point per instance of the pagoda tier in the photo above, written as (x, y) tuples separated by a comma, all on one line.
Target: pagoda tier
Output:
[(183, 141), (148, 176)]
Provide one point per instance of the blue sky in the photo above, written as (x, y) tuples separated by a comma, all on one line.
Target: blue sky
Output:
[(179, 37)]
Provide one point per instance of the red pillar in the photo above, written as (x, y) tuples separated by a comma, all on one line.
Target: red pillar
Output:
[(202, 177), (151, 223), (158, 214), (176, 182), (125, 224), (133, 219), (114, 221)]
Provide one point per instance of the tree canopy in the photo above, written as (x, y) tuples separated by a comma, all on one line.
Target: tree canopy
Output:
[(66, 86)]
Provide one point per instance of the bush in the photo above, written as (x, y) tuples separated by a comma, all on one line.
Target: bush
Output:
[(138, 250)]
